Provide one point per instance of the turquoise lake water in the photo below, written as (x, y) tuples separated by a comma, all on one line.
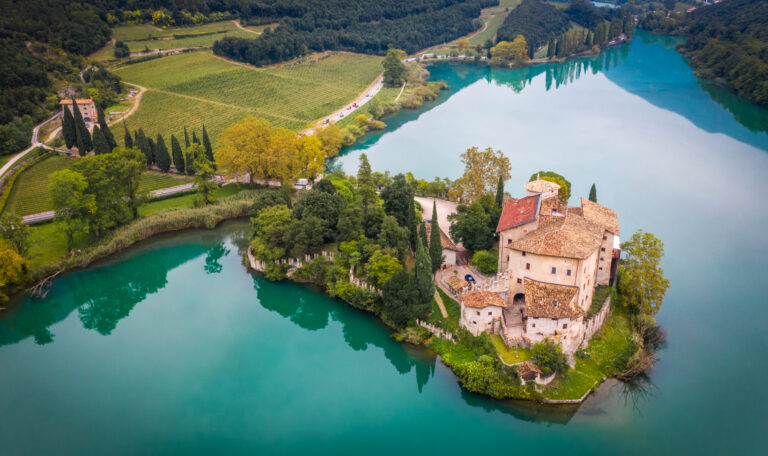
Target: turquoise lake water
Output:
[(172, 347)]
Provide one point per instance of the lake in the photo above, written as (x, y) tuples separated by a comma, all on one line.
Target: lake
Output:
[(172, 347)]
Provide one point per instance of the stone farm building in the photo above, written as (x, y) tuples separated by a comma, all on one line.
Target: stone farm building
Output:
[(553, 257), (87, 108)]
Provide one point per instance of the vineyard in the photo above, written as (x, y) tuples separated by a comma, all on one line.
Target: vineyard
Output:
[(196, 88), (141, 37)]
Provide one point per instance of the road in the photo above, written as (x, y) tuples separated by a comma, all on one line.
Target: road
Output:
[(35, 144), (350, 108), (49, 215)]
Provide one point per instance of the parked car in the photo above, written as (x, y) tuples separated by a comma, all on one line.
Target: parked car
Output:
[(469, 278)]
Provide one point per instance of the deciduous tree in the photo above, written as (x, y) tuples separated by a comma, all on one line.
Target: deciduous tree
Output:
[(394, 68), (482, 169), (14, 230), (203, 171), (332, 138), (13, 268), (70, 202), (642, 284)]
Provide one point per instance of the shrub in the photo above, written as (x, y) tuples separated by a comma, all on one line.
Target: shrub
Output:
[(486, 261), (549, 357)]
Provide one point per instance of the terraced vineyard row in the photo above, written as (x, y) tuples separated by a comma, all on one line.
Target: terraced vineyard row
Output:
[(195, 88)]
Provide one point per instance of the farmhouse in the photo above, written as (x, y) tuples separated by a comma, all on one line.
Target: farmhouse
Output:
[(87, 109), (554, 256)]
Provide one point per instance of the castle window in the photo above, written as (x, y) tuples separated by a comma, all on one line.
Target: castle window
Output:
[(478, 312), (565, 325), (605, 238), (528, 266), (568, 272), (509, 241), (489, 313), (519, 280), (601, 258), (474, 322), (523, 253), (602, 249), (554, 270), (533, 325), (601, 268)]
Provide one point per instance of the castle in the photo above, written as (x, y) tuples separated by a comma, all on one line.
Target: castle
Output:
[(552, 257)]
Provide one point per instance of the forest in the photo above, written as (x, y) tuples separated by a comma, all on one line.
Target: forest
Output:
[(366, 27), (728, 43), (541, 23)]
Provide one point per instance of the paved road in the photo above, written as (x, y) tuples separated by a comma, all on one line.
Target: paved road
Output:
[(49, 215), (35, 144)]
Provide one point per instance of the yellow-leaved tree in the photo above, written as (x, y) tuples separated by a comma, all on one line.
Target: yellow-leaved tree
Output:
[(510, 51), (482, 169), (13, 267), (256, 148)]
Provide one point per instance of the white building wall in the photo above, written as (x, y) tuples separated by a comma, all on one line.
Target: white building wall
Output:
[(568, 333), (450, 257), (539, 267), (477, 320), (604, 259)]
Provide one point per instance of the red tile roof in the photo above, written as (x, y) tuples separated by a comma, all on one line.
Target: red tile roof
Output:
[(517, 212)]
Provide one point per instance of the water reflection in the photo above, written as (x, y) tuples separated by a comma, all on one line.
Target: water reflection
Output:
[(102, 296), (305, 308)]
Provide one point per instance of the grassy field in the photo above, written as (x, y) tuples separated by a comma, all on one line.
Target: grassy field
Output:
[(49, 245), (136, 37), (195, 88), (30, 191), (608, 345), (510, 355), (453, 309)]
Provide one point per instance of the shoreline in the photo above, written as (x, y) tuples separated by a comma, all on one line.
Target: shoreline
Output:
[(249, 261)]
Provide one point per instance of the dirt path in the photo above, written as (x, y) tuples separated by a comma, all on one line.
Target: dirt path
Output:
[(401, 91), (136, 103), (440, 304), (240, 26)]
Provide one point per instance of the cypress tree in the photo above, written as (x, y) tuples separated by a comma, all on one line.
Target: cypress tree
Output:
[(435, 242), (593, 194), (128, 140), (413, 223), (152, 155), (68, 129), (186, 138), (143, 144), (422, 271), (500, 192), (84, 143), (161, 155), (105, 129), (207, 145), (100, 145), (177, 154), (423, 233), (194, 138)]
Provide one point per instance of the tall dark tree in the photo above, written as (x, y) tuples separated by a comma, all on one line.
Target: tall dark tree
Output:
[(422, 271), (366, 188), (500, 192), (435, 241), (186, 138), (398, 200), (207, 145), (100, 145), (400, 297), (128, 140), (68, 129), (423, 233), (162, 158), (593, 194), (177, 154), (84, 143), (142, 142), (151, 151), (194, 138), (105, 129)]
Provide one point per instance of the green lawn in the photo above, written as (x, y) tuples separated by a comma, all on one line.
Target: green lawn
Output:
[(196, 88), (136, 37), (185, 201), (512, 355), (453, 309), (48, 244), (605, 349), (30, 191)]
